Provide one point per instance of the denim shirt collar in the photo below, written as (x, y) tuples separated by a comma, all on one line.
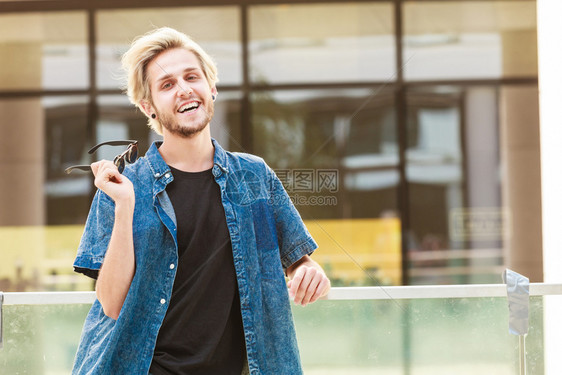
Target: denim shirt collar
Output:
[(220, 156), (161, 171)]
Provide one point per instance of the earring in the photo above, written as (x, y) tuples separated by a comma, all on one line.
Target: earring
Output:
[(214, 97), (153, 115)]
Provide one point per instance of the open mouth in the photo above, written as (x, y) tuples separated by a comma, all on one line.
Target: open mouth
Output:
[(189, 107)]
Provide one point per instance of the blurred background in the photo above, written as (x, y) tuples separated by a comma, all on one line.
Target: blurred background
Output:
[(407, 132)]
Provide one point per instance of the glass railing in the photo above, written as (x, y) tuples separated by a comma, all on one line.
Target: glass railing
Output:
[(393, 330)]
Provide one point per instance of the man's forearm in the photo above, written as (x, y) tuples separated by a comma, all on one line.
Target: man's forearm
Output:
[(118, 267)]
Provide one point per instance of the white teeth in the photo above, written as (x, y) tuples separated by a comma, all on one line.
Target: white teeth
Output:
[(188, 107)]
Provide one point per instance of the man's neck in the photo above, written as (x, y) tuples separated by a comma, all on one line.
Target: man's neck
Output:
[(193, 154)]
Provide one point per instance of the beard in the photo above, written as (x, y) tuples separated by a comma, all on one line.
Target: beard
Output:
[(170, 123)]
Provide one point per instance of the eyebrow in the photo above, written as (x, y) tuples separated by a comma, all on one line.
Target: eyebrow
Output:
[(167, 75)]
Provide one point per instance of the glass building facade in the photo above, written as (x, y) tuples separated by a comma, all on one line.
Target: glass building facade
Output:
[(406, 132)]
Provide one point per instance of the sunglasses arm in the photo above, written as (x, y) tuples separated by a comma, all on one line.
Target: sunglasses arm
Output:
[(86, 168), (111, 143)]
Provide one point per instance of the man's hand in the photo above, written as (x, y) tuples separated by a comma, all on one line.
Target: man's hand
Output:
[(308, 282), (114, 184)]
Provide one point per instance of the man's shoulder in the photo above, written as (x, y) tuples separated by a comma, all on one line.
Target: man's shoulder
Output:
[(245, 160)]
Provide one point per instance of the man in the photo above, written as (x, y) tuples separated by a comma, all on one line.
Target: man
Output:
[(189, 245)]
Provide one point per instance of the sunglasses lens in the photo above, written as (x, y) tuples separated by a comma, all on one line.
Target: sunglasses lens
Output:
[(132, 154), (121, 165), (119, 162)]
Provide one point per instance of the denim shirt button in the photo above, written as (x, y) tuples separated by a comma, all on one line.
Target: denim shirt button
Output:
[(216, 171), (162, 301), (167, 175), (172, 266), (157, 175)]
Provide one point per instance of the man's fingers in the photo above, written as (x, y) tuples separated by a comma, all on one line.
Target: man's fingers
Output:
[(99, 167), (104, 172), (111, 182), (95, 167), (295, 283), (308, 285), (311, 289), (321, 289), (308, 274), (325, 286), (308, 281)]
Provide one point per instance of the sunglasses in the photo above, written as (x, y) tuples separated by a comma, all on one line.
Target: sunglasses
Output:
[(130, 155)]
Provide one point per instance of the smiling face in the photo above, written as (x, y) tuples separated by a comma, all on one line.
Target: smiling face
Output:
[(181, 96)]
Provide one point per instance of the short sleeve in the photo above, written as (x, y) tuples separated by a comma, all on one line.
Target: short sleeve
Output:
[(96, 236), (294, 239)]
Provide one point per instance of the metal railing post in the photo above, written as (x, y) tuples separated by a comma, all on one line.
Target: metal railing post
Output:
[(1, 326)]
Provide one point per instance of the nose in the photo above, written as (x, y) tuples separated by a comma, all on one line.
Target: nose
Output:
[(184, 89)]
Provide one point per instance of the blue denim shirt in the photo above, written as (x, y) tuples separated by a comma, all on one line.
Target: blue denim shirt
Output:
[(267, 235)]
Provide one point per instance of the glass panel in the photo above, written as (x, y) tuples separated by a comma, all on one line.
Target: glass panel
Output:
[(216, 29), (322, 43), (43, 51), (453, 165), (432, 336), (436, 182), (40, 204), (469, 39), (67, 143), (337, 155), (41, 339)]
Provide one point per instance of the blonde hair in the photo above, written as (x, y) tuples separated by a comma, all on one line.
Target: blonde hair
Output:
[(144, 49)]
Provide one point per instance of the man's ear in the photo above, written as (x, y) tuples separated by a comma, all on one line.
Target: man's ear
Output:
[(214, 93), (147, 107)]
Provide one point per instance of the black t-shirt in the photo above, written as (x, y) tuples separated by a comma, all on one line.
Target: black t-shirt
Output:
[(202, 331)]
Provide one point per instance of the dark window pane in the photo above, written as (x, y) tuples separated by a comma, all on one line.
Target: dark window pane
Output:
[(67, 143), (460, 207)]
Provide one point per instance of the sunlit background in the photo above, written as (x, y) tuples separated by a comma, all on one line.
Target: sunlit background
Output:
[(406, 132)]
